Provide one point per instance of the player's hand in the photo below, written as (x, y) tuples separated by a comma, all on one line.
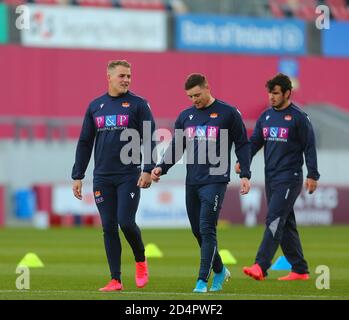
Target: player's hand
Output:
[(144, 180), (310, 185), (237, 168), (244, 186), (77, 189), (156, 173)]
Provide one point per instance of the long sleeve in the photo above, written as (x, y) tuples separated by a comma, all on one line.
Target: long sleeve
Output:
[(242, 148), (307, 138), (175, 150), (84, 147), (256, 139), (147, 122)]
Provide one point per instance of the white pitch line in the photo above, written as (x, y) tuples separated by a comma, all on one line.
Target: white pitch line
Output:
[(56, 292)]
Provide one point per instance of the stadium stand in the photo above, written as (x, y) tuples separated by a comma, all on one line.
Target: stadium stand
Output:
[(14, 2), (171, 5), (53, 2), (96, 3), (40, 128), (138, 4), (339, 9), (302, 9)]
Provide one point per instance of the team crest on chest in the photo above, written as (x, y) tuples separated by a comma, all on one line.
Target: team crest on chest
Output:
[(288, 117), (125, 104), (214, 115)]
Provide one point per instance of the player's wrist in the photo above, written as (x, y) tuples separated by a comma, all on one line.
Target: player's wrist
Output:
[(159, 166), (315, 178), (148, 169), (245, 175)]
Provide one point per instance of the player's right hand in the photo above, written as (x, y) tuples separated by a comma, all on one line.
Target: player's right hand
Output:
[(244, 186), (77, 189), (310, 185), (237, 168), (155, 174)]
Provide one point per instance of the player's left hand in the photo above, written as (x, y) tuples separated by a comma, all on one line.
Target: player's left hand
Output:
[(310, 185), (237, 168), (144, 180), (77, 189), (155, 174), (244, 186)]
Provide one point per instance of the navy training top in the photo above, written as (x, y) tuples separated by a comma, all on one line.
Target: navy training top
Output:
[(286, 135), (105, 119), (214, 127)]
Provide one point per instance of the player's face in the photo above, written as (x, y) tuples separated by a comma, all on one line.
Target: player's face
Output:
[(119, 79), (278, 99), (200, 96)]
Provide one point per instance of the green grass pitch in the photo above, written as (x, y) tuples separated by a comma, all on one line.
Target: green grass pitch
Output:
[(76, 266)]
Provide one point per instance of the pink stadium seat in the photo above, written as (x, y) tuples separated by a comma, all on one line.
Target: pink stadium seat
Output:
[(95, 3), (14, 2), (338, 9), (143, 4), (302, 9), (306, 10), (275, 7), (49, 1)]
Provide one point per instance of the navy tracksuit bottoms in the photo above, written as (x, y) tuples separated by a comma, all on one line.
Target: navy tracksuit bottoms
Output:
[(203, 204), (117, 198), (281, 227)]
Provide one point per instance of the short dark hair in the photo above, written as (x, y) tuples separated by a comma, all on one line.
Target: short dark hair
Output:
[(281, 80), (195, 79)]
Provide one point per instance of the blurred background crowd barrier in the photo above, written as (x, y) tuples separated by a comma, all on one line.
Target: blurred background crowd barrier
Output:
[(53, 56)]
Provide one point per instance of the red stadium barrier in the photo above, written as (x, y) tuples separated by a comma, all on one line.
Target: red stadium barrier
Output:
[(2, 206), (328, 205), (61, 83), (44, 200)]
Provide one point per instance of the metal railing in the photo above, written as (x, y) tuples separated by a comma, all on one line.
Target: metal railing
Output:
[(25, 127)]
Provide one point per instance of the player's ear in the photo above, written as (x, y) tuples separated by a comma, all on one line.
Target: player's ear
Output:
[(288, 94)]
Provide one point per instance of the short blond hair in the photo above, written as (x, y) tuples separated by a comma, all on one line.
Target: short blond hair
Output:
[(114, 63)]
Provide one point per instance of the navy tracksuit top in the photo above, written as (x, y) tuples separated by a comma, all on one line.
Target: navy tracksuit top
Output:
[(105, 119), (204, 125), (286, 135)]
